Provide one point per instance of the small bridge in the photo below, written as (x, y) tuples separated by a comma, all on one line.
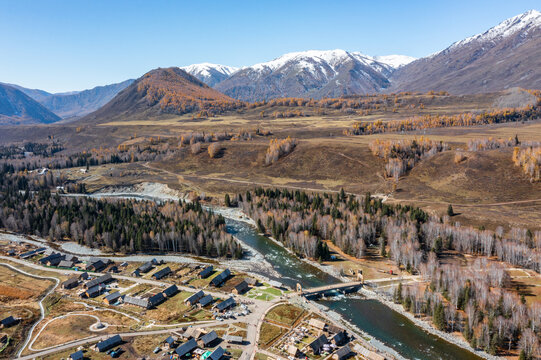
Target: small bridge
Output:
[(344, 288)]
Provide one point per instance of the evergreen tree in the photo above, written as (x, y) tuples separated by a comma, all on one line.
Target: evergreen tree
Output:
[(383, 250), (450, 211), (439, 317), (398, 294)]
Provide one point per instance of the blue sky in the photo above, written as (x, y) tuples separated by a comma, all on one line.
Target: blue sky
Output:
[(73, 45)]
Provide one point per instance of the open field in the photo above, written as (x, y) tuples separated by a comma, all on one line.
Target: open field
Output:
[(325, 159), (64, 330), (19, 294), (18, 289), (270, 333), (285, 315)]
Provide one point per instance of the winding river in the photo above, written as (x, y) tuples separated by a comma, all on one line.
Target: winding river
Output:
[(371, 316)]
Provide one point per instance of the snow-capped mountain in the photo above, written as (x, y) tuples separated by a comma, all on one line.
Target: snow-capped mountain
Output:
[(310, 73), (505, 56), (395, 61), (210, 74), (529, 20)]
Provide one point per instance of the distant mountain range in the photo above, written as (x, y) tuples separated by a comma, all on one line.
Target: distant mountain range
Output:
[(76, 103), (17, 108), (314, 74), (507, 55), (80, 103)]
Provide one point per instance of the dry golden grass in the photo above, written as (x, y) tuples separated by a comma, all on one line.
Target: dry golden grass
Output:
[(269, 333), (17, 288), (285, 315), (64, 330)]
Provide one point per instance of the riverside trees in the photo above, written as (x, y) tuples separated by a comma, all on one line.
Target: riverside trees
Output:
[(474, 299), (27, 206)]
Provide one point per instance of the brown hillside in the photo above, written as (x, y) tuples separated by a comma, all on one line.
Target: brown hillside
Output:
[(169, 90)]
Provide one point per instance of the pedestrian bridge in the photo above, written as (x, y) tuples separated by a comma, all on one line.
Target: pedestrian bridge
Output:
[(345, 288)]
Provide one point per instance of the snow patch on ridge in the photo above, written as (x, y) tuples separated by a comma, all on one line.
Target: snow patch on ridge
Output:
[(395, 61), (205, 69), (528, 20)]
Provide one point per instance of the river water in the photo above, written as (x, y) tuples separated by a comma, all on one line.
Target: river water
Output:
[(371, 316)]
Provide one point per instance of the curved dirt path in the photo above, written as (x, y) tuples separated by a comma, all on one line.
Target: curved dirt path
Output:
[(31, 343)]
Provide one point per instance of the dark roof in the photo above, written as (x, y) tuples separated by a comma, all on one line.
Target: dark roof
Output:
[(318, 343), (242, 287), (195, 297), (53, 256), (84, 275), (109, 343), (98, 265), (340, 338), (156, 299), (162, 273), (101, 280), (343, 352), (132, 300), (221, 277), (94, 291), (170, 340), (209, 338), (78, 355), (32, 253), (114, 296), (206, 271), (71, 281), (205, 300), (9, 321), (171, 290), (186, 347), (226, 304), (146, 267), (217, 354)]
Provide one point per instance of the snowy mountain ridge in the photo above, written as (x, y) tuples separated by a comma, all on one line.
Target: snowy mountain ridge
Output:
[(523, 22)]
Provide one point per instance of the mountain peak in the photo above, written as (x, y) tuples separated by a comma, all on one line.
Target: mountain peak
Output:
[(163, 90), (329, 56), (311, 73), (529, 20), (505, 56), (210, 74)]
